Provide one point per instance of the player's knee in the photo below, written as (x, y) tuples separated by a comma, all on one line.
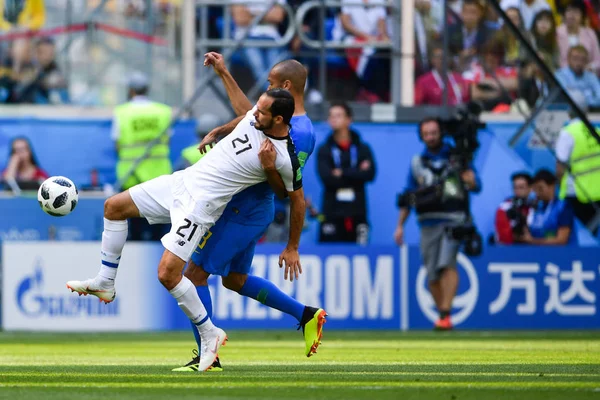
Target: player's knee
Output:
[(113, 209), (168, 279), (234, 281), (120, 207), (196, 274)]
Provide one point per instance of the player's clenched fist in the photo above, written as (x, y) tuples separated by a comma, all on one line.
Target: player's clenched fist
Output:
[(291, 259), (216, 60)]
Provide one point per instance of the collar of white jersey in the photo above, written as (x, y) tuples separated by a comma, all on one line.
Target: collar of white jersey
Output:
[(279, 138)]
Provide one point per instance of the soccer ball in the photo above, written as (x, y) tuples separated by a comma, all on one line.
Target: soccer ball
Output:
[(58, 196)]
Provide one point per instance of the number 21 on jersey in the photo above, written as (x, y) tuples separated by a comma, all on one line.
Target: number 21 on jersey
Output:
[(241, 144)]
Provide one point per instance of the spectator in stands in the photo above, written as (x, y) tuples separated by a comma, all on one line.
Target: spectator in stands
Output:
[(345, 165), (260, 60), (50, 85), (552, 220), (512, 214), (491, 19), (453, 14), (533, 85), (433, 11), (574, 77), (577, 149), (429, 88), (573, 33), (23, 165), (32, 15), (426, 31), (467, 39), (18, 73), (366, 23), (543, 38), (190, 155), (527, 8), (512, 47), (492, 84)]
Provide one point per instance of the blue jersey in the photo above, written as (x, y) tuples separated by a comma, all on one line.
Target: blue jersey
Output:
[(254, 206)]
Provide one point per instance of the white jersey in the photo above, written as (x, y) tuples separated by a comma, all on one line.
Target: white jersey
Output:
[(233, 165)]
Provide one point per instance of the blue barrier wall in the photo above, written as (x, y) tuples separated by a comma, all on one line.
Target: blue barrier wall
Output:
[(74, 147)]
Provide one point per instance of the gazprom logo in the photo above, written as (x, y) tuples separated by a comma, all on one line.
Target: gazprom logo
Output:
[(34, 302)]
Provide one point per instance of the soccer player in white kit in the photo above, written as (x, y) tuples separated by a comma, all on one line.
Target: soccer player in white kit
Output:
[(194, 199)]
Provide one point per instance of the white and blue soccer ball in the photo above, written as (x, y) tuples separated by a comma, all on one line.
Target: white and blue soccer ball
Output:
[(58, 196)]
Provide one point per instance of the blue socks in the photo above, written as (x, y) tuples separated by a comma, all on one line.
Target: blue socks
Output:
[(268, 294), (258, 289), (204, 295)]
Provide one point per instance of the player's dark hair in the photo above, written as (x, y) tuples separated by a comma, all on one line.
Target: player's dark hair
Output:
[(32, 158), (546, 176), (345, 107), (522, 175), (283, 104), (293, 71), (427, 120)]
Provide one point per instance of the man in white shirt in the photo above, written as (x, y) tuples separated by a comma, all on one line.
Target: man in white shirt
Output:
[(193, 200)]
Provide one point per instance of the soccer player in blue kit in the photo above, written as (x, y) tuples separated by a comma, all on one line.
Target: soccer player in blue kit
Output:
[(228, 247)]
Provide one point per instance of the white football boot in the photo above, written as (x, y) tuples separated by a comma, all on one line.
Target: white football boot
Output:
[(211, 343), (106, 293)]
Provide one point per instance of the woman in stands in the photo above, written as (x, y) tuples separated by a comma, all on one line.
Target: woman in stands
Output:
[(22, 163), (513, 54), (543, 37)]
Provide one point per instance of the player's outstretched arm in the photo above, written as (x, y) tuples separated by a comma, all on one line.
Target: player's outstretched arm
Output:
[(267, 156), (238, 99), (290, 255)]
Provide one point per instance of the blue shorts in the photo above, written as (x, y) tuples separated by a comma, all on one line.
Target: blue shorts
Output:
[(228, 247)]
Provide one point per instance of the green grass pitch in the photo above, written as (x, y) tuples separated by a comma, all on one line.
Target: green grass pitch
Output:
[(270, 365)]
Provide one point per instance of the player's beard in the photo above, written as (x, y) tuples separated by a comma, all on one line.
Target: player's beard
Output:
[(264, 127)]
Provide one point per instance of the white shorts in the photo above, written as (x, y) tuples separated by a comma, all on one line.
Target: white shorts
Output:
[(165, 200)]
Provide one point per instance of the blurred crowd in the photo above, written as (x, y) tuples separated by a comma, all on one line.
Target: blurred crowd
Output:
[(486, 62), (29, 72)]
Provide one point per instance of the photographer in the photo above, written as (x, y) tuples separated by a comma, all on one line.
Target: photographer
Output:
[(441, 191), (512, 214), (552, 221)]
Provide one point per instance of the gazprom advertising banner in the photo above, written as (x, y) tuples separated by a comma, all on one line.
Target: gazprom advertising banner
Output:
[(360, 288)]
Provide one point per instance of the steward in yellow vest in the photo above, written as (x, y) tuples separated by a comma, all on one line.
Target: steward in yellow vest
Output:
[(578, 149), (136, 124)]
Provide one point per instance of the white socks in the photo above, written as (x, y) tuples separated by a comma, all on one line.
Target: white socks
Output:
[(189, 301), (113, 240)]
